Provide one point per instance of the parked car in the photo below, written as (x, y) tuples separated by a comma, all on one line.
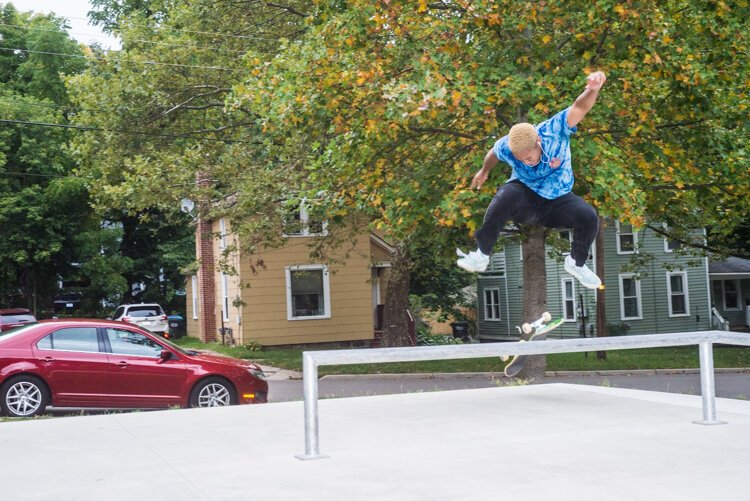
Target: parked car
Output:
[(106, 364), (149, 316), (67, 302), (13, 317)]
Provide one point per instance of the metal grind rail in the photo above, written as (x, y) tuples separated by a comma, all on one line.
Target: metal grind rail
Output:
[(703, 339)]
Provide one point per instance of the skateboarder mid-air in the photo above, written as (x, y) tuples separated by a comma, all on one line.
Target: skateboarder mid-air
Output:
[(539, 190)]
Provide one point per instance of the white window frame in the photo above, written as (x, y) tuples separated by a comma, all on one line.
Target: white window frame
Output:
[(570, 240), (564, 298), (685, 291), (222, 234), (724, 295), (225, 297), (620, 279), (194, 290), (667, 250), (619, 242), (326, 291), (304, 220), (492, 304)]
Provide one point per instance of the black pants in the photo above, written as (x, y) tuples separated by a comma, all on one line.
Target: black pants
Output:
[(517, 202)]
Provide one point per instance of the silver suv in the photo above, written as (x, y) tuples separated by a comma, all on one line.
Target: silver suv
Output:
[(149, 316)]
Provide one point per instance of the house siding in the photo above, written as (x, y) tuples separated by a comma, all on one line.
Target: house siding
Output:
[(653, 286), (264, 316), (654, 293)]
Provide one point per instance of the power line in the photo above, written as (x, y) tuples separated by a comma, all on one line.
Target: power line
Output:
[(189, 135), (178, 30), (120, 60), (169, 44)]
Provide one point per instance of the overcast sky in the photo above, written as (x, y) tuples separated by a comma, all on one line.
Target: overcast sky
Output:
[(75, 12)]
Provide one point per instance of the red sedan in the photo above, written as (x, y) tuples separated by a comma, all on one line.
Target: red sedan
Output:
[(100, 363)]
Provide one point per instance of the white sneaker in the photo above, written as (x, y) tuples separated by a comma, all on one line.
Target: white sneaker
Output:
[(584, 275), (474, 261)]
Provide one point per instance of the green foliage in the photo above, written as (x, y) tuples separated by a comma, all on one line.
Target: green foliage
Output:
[(426, 338)]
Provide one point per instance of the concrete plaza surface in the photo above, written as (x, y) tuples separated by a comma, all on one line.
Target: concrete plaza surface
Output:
[(540, 442)]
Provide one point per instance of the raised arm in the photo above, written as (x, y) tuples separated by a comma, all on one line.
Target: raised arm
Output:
[(586, 100)]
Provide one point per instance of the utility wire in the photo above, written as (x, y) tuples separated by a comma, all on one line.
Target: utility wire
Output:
[(169, 44), (188, 135), (178, 30), (121, 60)]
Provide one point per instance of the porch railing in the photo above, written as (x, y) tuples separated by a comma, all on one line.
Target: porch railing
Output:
[(717, 321), (703, 339)]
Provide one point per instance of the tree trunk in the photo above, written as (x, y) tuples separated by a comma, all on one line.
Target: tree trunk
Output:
[(395, 323), (601, 314), (534, 294)]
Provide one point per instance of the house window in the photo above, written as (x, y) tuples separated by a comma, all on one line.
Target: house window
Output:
[(308, 292), (222, 234), (492, 304), (678, 294), (627, 239), (630, 297), (568, 299), (670, 245), (299, 223), (225, 297), (194, 291), (731, 294), (566, 236)]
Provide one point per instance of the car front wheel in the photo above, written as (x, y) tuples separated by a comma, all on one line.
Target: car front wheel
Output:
[(212, 392), (23, 396)]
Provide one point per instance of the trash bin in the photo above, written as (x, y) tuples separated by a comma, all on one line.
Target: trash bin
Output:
[(460, 330), (177, 327)]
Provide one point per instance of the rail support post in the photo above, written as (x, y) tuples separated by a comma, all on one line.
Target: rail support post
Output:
[(310, 382), (708, 390)]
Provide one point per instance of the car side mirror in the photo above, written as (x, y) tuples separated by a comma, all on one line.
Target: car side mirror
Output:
[(165, 355)]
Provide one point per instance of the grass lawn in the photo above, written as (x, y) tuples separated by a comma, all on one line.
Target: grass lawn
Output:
[(653, 358)]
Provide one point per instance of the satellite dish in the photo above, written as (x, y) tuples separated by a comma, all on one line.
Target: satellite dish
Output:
[(187, 205)]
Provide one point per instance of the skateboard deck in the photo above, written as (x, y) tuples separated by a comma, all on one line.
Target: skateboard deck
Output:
[(538, 330)]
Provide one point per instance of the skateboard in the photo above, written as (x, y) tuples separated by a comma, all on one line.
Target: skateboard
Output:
[(538, 330)]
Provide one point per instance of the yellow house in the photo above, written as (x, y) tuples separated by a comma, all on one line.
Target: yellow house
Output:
[(281, 296)]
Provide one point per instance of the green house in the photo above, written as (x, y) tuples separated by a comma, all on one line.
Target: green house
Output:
[(650, 287)]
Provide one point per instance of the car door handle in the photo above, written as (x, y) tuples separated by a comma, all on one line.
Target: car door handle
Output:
[(48, 359), (122, 364)]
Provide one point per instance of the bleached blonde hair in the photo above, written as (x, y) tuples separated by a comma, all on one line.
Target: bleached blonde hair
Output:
[(521, 138)]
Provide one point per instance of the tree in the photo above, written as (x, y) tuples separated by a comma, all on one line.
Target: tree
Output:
[(42, 207), (385, 109), (397, 102)]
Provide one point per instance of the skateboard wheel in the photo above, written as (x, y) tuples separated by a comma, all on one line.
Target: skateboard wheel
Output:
[(526, 328), (546, 316)]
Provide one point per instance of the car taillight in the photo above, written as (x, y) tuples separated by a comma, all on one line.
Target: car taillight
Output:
[(126, 319), (164, 318)]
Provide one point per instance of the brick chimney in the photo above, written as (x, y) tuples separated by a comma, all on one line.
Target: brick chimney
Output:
[(204, 244)]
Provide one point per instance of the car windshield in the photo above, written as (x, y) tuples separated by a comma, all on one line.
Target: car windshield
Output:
[(15, 331), (144, 311)]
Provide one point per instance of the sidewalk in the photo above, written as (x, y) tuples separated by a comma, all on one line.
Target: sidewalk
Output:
[(540, 442)]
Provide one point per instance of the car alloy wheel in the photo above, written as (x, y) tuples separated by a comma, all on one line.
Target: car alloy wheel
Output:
[(24, 397), (212, 392)]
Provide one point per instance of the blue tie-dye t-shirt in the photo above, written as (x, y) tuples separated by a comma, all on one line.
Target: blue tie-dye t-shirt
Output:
[(547, 181)]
